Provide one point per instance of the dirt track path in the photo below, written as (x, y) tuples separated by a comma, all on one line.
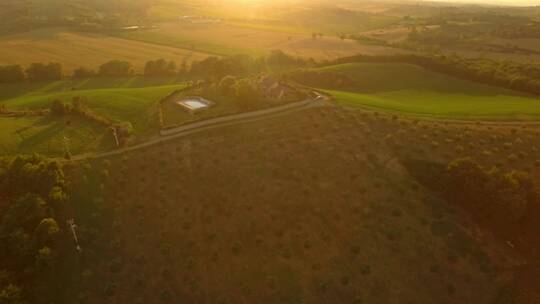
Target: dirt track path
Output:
[(182, 131)]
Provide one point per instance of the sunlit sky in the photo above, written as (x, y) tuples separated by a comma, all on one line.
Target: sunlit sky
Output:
[(500, 2)]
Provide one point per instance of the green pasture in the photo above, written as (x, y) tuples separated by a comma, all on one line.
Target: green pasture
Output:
[(412, 89)]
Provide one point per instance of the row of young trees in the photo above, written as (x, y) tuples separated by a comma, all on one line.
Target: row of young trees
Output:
[(34, 203), (512, 75), (53, 71), (210, 68)]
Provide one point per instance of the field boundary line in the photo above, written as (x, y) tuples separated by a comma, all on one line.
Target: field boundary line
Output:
[(171, 45)]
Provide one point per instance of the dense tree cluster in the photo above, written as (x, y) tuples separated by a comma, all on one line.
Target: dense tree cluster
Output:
[(160, 67), (279, 58), (11, 73), (116, 68), (243, 91), (34, 204), (502, 197), (35, 72), (214, 68), (512, 75), (44, 72)]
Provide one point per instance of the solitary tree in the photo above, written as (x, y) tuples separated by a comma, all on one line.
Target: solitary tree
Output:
[(47, 230)]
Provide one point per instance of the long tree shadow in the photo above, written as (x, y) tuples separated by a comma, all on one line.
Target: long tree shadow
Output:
[(43, 137)]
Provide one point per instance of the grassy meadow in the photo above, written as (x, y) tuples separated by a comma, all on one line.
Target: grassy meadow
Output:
[(45, 135), (411, 89), (119, 99), (131, 99)]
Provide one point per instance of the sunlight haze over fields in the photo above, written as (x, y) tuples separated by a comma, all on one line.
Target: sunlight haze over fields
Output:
[(269, 151)]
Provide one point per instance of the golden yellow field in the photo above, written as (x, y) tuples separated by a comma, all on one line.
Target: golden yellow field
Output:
[(73, 49), (228, 39)]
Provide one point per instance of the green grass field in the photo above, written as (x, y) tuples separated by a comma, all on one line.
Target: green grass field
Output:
[(412, 89), (45, 135), (131, 99), (128, 99)]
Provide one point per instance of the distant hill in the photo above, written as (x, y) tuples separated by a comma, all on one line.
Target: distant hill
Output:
[(22, 15)]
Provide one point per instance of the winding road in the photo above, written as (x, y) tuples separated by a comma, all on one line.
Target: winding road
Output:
[(185, 130)]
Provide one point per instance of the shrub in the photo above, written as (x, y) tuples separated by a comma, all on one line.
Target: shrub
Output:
[(11, 73), (60, 108), (160, 67), (44, 72)]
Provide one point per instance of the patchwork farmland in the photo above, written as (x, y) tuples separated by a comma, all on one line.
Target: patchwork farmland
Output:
[(269, 151), (76, 49)]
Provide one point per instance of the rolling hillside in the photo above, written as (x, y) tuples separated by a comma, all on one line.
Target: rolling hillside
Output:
[(412, 89), (123, 100)]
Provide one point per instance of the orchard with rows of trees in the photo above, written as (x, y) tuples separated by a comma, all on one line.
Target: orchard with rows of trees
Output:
[(210, 68)]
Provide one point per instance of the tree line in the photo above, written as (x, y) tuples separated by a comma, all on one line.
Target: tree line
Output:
[(512, 75), (524, 31), (210, 68)]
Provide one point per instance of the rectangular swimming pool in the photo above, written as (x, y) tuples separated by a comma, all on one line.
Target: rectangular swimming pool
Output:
[(193, 104)]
